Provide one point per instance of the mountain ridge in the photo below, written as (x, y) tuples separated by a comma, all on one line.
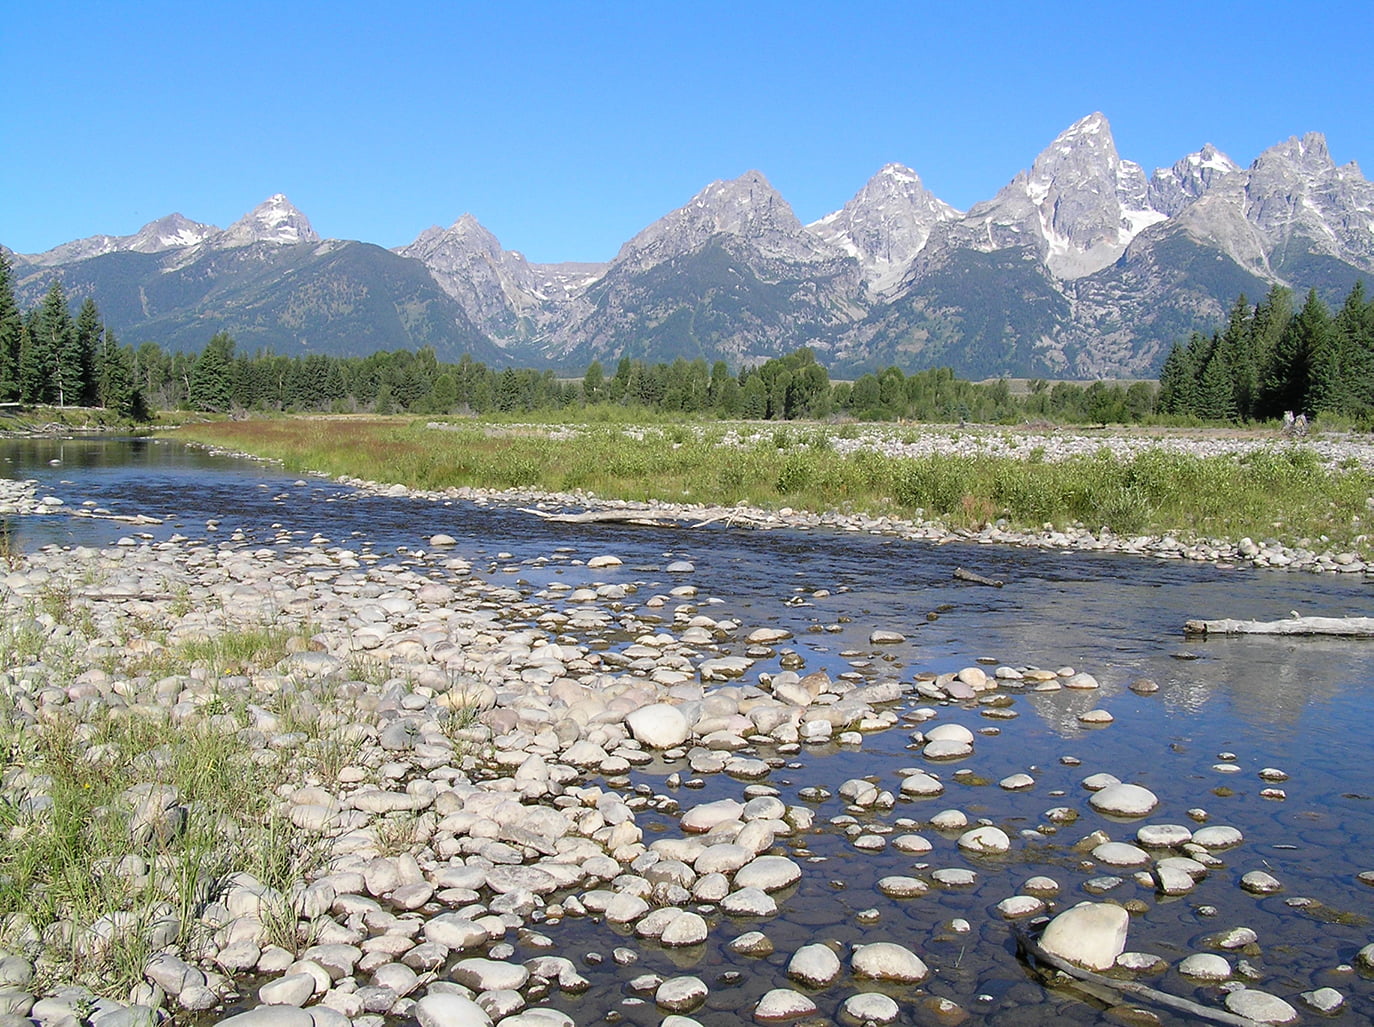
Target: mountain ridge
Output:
[(1079, 266)]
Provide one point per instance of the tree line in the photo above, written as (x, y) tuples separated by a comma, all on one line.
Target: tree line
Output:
[(1270, 360), (49, 356)]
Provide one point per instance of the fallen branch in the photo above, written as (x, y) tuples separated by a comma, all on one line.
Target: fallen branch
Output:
[(976, 579), (600, 516), (1348, 627), (1134, 988)]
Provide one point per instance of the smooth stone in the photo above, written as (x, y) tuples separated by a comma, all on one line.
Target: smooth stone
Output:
[(752, 943), (292, 990), (1124, 800), (659, 726), (1016, 782), (888, 961), (897, 887), (454, 931), (782, 1004), (679, 994), (1163, 836), (1018, 906), (293, 1016), (870, 1007), (1258, 882), (1218, 836), (483, 974), (769, 873), (1205, 966), (1091, 934), (1120, 854), (921, 785), (1324, 1000), (749, 902), (985, 840), (954, 877), (445, 1009), (686, 929), (815, 964)]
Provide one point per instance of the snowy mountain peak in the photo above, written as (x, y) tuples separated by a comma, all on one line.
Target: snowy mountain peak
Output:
[(275, 220), (747, 207), (169, 233), (886, 224), (1172, 189)]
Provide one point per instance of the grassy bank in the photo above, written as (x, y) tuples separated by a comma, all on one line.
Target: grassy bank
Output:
[(1283, 492)]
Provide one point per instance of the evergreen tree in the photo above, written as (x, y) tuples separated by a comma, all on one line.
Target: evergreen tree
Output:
[(1178, 382), (11, 328), (44, 378), (1238, 351), (80, 362), (209, 385), (1355, 324), (594, 383), (1216, 398)]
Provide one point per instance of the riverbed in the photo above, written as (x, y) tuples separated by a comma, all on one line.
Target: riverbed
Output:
[(1224, 710)]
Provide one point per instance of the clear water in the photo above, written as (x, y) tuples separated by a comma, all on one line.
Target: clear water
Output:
[(1300, 705)]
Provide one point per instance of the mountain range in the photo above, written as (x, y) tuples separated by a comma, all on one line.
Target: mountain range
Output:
[(1081, 266)]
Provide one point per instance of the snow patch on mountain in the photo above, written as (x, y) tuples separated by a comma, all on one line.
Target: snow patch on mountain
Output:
[(274, 221)]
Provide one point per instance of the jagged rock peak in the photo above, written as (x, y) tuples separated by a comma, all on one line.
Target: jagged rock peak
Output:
[(168, 233), (747, 207), (1172, 189), (275, 220), (466, 233), (886, 224)]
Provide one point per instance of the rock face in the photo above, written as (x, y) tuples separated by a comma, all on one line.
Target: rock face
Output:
[(1091, 934)]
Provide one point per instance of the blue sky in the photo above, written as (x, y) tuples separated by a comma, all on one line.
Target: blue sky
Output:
[(567, 127)]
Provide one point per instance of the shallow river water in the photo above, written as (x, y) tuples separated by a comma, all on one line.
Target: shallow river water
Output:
[(1302, 706)]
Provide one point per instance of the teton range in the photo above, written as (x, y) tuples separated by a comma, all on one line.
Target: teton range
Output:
[(1080, 267)]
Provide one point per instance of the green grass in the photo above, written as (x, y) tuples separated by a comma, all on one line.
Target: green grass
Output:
[(1284, 493)]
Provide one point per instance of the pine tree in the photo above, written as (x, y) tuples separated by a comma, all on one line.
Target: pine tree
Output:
[(80, 361), (42, 375), (1303, 370), (1216, 399), (209, 386), (116, 378), (1178, 382), (1238, 351), (11, 328), (1355, 324)]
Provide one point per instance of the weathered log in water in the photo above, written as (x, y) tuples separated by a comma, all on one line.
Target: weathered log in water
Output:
[(977, 579), (1349, 627)]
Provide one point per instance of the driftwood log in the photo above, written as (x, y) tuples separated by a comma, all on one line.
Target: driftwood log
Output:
[(600, 516), (1348, 627), (1132, 988), (976, 579), (731, 515)]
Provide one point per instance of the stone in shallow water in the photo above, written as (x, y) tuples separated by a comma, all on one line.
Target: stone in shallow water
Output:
[(897, 887), (888, 961), (985, 840), (679, 994), (1257, 882), (782, 1004), (1124, 800), (752, 943), (816, 965), (1324, 1000), (870, 1007), (1205, 966), (1260, 1006), (1091, 934), (1120, 854), (1163, 836), (770, 873), (1218, 836), (1018, 906)]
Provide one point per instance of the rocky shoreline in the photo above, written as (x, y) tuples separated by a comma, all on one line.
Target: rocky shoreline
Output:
[(456, 757)]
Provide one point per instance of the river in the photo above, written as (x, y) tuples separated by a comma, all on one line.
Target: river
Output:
[(1240, 705)]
